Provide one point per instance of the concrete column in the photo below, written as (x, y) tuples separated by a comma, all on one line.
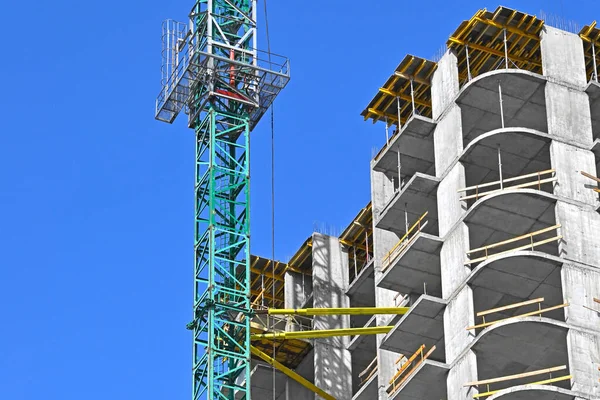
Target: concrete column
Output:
[(448, 139), (333, 362), (458, 315), (381, 191), (562, 56), (584, 354), (568, 161), (580, 286), (444, 84), (579, 230), (465, 370), (297, 289), (568, 114)]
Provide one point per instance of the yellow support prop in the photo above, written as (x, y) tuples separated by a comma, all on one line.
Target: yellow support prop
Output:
[(336, 311), (322, 333), (310, 386)]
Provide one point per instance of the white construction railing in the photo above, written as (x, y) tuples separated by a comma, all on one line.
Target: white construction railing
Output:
[(537, 312), (403, 243), (550, 380), (531, 245), (542, 177)]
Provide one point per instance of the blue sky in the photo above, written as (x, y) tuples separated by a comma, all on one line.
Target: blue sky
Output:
[(96, 203)]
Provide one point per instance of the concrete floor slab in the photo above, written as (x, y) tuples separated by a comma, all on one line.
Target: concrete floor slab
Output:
[(523, 101), (516, 277), (417, 268), (415, 143), (519, 345), (418, 195), (510, 213), (365, 342), (422, 324), (362, 289), (427, 382), (534, 392), (368, 391), (593, 91), (523, 151)]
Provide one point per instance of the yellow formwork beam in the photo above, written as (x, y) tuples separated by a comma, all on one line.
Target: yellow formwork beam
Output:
[(336, 311), (322, 333), (298, 378)]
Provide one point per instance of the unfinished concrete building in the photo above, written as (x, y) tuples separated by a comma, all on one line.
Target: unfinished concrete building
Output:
[(484, 220)]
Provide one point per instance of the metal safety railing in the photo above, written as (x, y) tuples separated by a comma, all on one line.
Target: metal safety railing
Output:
[(507, 378), (531, 245), (405, 241), (592, 177), (368, 372), (408, 367), (542, 177), (537, 312)]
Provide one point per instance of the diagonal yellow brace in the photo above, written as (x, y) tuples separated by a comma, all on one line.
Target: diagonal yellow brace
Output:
[(303, 381), (336, 311), (322, 333)]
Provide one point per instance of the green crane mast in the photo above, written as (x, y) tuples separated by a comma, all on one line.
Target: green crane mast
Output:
[(212, 70)]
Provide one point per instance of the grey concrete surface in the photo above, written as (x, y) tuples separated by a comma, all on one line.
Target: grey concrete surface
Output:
[(593, 91), (417, 196), (417, 268), (368, 391), (361, 290), (562, 56), (415, 144), (523, 102), (422, 325), (333, 362), (425, 383)]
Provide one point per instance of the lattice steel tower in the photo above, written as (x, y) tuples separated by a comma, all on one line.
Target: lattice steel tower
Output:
[(212, 70)]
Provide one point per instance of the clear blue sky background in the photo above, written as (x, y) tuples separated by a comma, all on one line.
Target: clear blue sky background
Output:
[(96, 203)]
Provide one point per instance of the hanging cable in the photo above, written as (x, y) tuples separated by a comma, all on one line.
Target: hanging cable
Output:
[(272, 190)]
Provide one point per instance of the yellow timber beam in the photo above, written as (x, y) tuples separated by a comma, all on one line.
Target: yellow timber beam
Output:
[(303, 381), (323, 333), (336, 311)]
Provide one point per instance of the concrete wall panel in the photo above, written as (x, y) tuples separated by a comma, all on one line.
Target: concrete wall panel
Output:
[(444, 84), (568, 114), (562, 56), (579, 229)]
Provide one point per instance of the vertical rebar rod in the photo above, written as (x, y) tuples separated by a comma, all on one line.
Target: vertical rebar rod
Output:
[(355, 268), (387, 134), (500, 168), (505, 50), (468, 64), (501, 106), (399, 113), (367, 244), (412, 97), (594, 61), (399, 169)]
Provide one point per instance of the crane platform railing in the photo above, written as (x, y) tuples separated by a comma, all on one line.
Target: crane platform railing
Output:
[(541, 177), (487, 250), (508, 378), (537, 312), (404, 241)]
